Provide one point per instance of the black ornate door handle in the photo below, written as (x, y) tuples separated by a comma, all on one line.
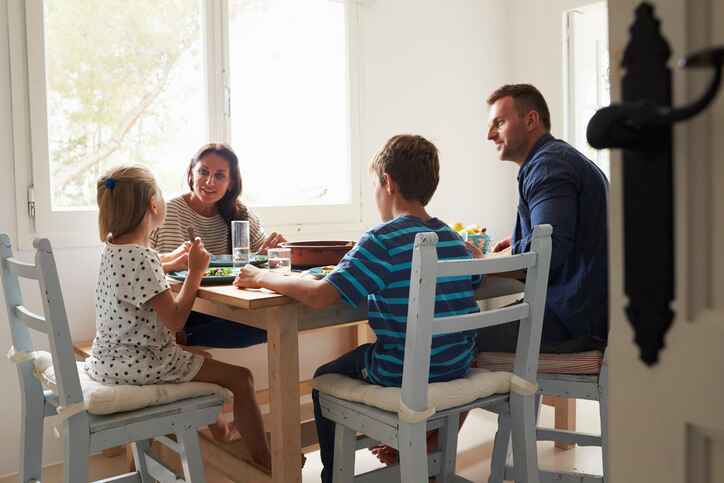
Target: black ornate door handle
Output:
[(630, 125), (642, 126)]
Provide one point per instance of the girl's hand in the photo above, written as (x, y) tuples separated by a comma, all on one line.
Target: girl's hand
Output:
[(272, 241), (249, 277), (474, 251), (198, 257)]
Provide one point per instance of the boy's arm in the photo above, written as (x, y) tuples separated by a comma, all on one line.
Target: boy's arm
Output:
[(313, 293)]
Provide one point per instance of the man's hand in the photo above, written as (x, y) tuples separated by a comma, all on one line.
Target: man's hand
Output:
[(502, 244), (249, 277), (272, 241)]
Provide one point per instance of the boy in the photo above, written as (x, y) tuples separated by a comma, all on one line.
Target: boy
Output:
[(377, 270)]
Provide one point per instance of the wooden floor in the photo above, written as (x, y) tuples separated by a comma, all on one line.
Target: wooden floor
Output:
[(475, 445)]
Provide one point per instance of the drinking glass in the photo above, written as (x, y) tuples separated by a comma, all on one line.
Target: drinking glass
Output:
[(240, 247), (280, 260)]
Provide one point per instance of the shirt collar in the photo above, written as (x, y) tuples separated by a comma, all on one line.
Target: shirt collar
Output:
[(542, 141)]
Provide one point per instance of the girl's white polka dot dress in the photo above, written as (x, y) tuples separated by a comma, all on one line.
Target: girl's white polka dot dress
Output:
[(132, 346)]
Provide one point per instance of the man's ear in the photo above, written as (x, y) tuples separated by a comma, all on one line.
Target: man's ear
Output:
[(532, 120)]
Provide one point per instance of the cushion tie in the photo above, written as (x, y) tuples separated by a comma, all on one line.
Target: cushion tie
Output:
[(411, 416), (521, 386)]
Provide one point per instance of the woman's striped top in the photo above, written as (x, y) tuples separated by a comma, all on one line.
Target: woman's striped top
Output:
[(213, 230)]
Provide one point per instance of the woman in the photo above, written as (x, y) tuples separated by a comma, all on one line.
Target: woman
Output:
[(208, 209)]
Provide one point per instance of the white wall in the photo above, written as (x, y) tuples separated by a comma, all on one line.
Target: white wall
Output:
[(537, 50), (427, 68)]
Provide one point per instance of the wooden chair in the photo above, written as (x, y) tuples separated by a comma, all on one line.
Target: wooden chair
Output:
[(406, 430), (577, 385), (85, 433)]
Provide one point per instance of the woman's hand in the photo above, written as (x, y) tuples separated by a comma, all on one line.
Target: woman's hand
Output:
[(272, 241), (179, 262), (198, 257), (180, 250), (249, 277)]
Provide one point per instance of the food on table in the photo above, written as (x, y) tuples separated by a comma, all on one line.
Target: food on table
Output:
[(220, 272), (327, 269), (475, 234)]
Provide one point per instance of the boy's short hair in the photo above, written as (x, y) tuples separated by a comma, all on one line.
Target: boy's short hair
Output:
[(412, 162), (526, 98)]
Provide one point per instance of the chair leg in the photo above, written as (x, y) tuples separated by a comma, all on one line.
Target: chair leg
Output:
[(448, 438), (501, 447), (525, 455), (76, 435), (140, 449), (344, 454), (31, 455), (190, 454), (603, 410), (413, 452)]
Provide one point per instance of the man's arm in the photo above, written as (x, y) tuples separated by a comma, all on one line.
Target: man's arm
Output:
[(552, 199)]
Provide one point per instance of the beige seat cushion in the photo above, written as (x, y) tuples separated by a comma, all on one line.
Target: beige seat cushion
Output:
[(108, 399), (441, 395), (575, 363)]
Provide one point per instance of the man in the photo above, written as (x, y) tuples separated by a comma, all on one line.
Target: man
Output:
[(557, 185)]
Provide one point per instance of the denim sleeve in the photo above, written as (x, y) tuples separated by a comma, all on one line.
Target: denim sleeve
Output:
[(551, 193)]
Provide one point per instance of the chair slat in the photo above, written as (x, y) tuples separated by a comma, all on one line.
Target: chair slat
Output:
[(510, 263), (31, 319), (458, 323), (23, 269)]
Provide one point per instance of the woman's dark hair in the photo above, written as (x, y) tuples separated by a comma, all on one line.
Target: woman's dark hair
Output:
[(230, 207)]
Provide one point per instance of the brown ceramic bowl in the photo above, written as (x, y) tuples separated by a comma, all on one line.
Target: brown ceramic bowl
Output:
[(317, 253)]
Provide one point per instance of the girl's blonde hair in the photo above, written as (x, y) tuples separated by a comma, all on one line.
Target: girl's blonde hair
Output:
[(123, 195)]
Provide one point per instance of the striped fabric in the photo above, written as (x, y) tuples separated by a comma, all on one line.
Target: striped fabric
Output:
[(213, 230), (575, 363), (377, 270)]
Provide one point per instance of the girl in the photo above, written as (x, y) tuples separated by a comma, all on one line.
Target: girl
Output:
[(137, 314)]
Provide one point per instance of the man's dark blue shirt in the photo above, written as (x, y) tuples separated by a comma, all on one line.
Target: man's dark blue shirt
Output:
[(559, 186)]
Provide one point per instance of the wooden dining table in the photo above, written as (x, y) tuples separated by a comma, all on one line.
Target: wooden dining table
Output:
[(284, 319)]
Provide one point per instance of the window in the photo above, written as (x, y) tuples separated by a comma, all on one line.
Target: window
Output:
[(587, 75), (131, 81)]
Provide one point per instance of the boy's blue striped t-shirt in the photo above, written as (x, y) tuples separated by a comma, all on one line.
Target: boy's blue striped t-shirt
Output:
[(378, 269)]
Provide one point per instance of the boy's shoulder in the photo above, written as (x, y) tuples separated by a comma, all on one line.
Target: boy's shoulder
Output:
[(403, 229)]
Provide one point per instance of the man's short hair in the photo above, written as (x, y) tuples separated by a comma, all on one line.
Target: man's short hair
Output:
[(526, 98), (412, 162)]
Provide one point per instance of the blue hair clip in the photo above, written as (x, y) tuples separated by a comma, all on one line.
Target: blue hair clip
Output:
[(110, 183)]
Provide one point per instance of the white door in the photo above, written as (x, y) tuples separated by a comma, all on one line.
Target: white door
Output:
[(667, 421)]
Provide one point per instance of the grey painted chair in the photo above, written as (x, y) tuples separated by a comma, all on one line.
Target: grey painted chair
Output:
[(578, 386), (85, 433), (408, 435)]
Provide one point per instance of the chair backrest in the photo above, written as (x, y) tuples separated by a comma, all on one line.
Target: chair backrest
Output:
[(53, 322), (422, 323)]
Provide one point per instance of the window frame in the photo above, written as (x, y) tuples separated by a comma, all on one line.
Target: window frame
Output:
[(78, 228)]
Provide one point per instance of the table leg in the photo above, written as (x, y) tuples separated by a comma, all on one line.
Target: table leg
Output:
[(565, 415), (283, 355)]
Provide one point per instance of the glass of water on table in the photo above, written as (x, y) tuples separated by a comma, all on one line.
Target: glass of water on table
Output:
[(280, 260), (240, 244)]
